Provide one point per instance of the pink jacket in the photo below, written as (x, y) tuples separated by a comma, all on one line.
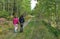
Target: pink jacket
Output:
[(15, 20)]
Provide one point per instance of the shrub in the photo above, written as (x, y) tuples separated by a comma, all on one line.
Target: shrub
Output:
[(4, 14)]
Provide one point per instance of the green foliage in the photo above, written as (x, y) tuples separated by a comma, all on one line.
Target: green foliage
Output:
[(9, 18), (51, 29), (25, 6), (4, 14)]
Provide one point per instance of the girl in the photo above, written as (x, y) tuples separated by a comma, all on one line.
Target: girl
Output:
[(15, 22)]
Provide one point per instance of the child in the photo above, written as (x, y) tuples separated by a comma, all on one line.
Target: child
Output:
[(15, 22), (21, 20)]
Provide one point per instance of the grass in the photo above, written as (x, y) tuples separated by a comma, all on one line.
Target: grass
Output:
[(53, 30), (34, 30)]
